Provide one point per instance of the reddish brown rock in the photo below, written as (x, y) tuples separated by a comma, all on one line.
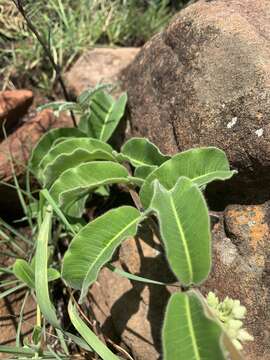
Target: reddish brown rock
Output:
[(13, 106), (204, 81), (18, 146), (99, 65), (10, 308), (241, 269)]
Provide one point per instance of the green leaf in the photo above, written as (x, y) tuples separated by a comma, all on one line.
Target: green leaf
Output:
[(143, 171), (24, 351), (44, 193), (188, 333), (72, 188), (95, 244), (72, 152), (25, 272), (41, 270), (87, 94), (105, 115), (60, 106), (46, 142), (88, 335), (133, 277), (141, 152), (201, 165), (68, 146), (185, 229)]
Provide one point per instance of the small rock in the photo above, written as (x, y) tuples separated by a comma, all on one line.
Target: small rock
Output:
[(100, 65), (18, 145), (13, 106), (248, 228)]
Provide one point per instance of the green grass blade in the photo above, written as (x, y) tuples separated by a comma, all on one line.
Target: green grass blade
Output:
[(15, 232), (41, 270), (89, 336), (11, 291), (18, 332), (57, 210), (17, 350), (133, 277)]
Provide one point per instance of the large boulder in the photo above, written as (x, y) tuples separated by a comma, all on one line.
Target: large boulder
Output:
[(205, 80)]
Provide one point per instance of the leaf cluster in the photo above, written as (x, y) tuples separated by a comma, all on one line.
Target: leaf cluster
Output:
[(72, 165)]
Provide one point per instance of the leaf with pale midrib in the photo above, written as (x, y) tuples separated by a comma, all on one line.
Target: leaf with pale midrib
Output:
[(188, 333), (202, 166), (46, 142), (64, 162), (104, 116), (141, 152), (26, 273), (95, 244), (185, 229), (68, 146), (73, 186)]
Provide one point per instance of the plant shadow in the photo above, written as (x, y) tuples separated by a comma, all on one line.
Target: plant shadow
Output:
[(153, 301)]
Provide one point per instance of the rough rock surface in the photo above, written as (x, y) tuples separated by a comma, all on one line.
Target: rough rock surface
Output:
[(10, 306), (134, 311), (99, 65), (9, 316), (205, 81), (13, 106), (241, 269), (131, 310)]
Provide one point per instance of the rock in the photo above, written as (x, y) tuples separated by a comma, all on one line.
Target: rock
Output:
[(10, 306), (13, 106), (241, 269), (19, 145), (99, 65), (9, 316), (205, 80), (133, 311)]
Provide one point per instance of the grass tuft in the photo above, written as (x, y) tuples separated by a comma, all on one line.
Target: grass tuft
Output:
[(70, 27)]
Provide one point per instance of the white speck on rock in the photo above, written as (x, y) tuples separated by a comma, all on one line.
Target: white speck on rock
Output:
[(227, 252), (259, 132), (232, 123)]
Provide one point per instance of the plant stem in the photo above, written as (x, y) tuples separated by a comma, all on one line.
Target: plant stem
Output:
[(48, 53)]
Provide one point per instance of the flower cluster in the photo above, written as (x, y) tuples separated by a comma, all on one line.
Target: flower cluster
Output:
[(231, 313)]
